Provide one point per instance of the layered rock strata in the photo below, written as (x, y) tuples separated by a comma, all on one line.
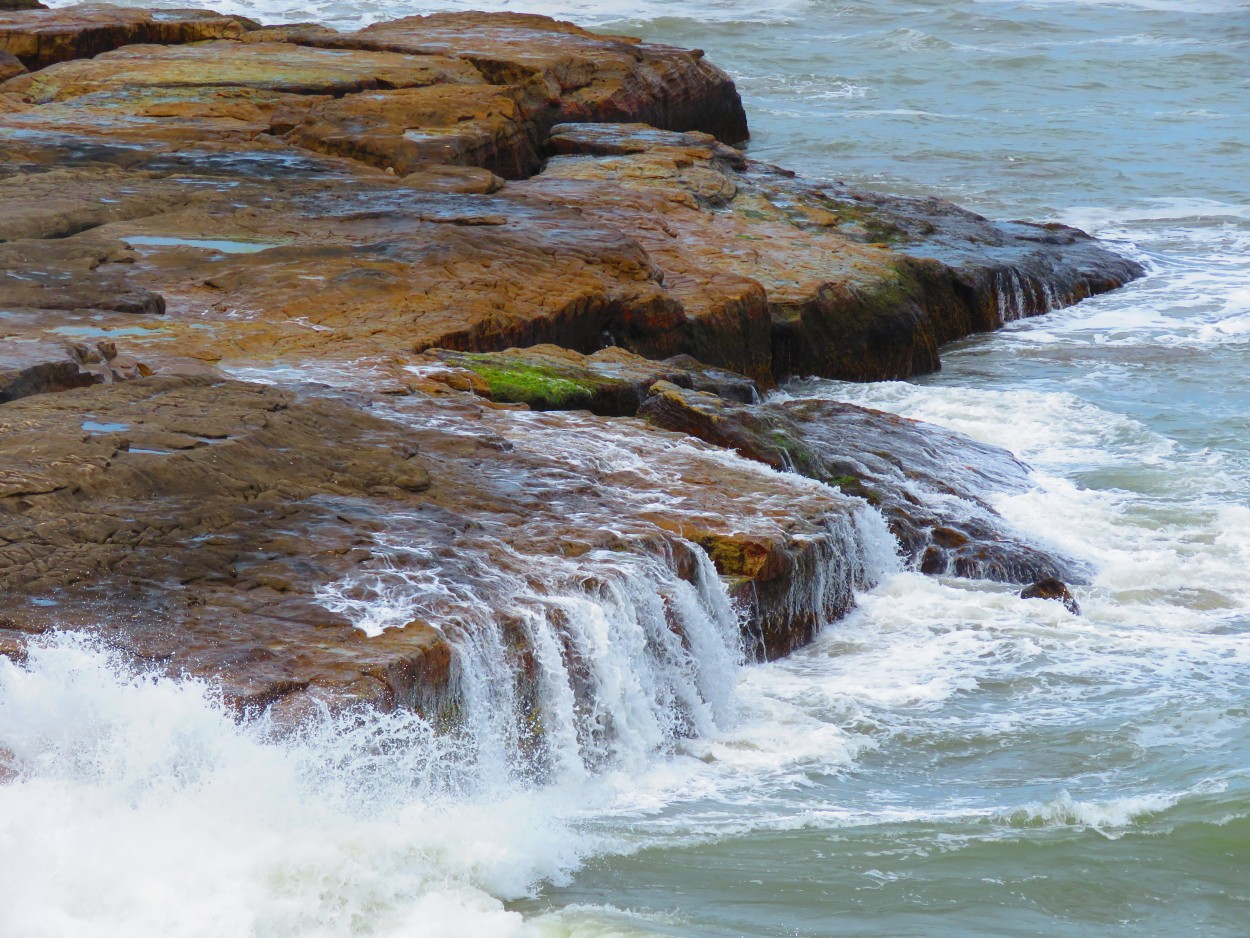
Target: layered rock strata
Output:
[(226, 530), (932, 485)]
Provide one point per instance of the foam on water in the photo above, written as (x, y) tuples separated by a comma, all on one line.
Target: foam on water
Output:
[(139, 806)]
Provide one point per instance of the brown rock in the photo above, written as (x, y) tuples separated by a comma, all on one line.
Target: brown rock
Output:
[(414, 128), (851, 289), (463, 180), (71, 274), (41, 37), (567, 73), (276, 67), (32, 367), (197, 524), (1054, 589)]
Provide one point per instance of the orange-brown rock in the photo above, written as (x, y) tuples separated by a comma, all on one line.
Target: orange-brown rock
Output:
[(41, 37), (412, 129), (660, 242), (463, 180), (567, 73), (853, 282), (277, 67), (225, 530), (297, 205)]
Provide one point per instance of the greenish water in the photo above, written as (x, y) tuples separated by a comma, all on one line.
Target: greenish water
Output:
[(948, 761)]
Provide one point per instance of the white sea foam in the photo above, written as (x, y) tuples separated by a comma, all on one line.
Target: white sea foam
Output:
[(141, 807)]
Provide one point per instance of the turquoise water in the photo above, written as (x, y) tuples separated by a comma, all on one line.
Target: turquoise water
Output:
[(949, 760)]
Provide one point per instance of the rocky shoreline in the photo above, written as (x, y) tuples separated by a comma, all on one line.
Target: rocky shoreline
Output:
[(451, 315)]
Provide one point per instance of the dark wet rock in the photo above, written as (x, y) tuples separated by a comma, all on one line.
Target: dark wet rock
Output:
[(9, 5), (931, 484), (28, 368), (41, 37), (1054, 589), (611, 382), (566, 73), (72, 274)]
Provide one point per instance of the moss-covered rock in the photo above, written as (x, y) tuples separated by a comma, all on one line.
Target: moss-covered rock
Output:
[(611, 382)]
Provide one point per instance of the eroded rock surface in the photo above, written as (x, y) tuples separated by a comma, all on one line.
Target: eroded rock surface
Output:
[(39, 36), (394, 212)]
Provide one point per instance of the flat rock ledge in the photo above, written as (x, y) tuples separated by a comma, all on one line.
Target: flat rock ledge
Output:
[(293, 317)]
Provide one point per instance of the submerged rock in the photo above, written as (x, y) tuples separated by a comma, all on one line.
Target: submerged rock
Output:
[(243, 533)]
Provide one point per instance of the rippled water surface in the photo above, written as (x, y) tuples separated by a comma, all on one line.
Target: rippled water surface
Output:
[(950, 760)]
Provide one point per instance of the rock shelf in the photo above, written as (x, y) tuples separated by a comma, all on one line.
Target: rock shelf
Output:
[(302, 293)]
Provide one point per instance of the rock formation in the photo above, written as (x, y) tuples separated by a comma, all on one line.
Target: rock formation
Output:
[(412, 240)]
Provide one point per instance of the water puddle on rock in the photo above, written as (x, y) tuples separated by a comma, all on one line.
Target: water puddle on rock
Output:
[(222, 245)]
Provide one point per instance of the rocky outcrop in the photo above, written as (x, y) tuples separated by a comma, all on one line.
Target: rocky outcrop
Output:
[(612, 382), (931, 484), (565, 73), (40, 37), (856, 285), (372, 224), (267, 151)]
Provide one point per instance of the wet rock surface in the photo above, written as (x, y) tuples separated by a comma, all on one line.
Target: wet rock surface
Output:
[(458, 252), (931, 484), (40, 37)]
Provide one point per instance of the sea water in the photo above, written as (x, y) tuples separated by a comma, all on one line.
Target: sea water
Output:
[(950, 759)]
